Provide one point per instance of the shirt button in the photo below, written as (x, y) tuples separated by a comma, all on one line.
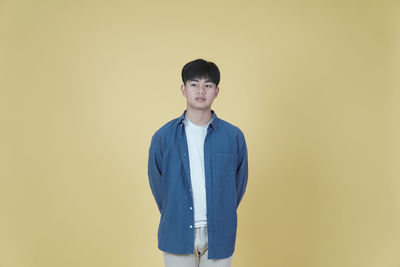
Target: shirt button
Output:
[(191, 226), (190, 208)]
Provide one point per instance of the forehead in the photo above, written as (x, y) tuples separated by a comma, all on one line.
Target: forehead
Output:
[(198, 79)]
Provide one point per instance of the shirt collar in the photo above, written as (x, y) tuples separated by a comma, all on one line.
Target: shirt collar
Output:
[(213, 123)]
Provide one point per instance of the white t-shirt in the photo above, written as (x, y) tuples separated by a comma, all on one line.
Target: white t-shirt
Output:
[(195, 136)]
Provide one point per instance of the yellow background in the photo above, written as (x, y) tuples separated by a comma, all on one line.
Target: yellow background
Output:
[(314, 85)]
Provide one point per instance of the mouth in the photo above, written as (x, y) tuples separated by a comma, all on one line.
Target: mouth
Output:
[(200, 99)]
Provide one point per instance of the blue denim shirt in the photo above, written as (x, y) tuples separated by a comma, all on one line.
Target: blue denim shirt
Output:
[(226, 172)]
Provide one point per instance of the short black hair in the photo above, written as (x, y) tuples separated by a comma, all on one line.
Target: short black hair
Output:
[(200, 68)]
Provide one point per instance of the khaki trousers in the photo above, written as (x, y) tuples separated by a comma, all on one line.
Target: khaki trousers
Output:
[(199, 256)]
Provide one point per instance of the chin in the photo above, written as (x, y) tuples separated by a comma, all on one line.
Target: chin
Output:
[(205, 107)]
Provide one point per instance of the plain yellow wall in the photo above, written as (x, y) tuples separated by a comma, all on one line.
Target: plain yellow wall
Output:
[(314, 85)]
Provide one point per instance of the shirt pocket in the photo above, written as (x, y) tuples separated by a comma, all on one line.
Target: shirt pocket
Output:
[(225, 164)]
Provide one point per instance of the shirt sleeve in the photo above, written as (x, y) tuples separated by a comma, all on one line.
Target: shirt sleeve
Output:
[(242, 169), (155, 169)]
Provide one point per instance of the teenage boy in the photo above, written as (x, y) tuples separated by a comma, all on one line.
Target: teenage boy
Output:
[(198, 171)]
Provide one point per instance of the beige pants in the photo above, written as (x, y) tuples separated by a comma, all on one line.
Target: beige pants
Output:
[(199, 256)]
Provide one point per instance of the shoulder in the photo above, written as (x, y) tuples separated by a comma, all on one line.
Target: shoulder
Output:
[(231, 128), (166, 128)]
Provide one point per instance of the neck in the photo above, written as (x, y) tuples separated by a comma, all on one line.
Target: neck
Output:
[(199, 116)]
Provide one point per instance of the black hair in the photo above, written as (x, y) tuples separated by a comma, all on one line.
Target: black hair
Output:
[(200, 68)]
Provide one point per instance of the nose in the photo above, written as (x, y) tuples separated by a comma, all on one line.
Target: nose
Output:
[(201, 89)]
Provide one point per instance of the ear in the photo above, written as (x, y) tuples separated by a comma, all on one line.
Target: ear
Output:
[(216, 91), (183, 89)]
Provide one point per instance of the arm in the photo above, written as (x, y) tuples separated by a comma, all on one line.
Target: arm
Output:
[(242, 169), (155, 168)]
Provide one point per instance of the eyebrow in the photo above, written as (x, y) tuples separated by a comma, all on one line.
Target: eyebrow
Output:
[(195, 80)]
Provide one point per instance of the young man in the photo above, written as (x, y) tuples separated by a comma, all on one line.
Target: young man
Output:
[(198, 171)]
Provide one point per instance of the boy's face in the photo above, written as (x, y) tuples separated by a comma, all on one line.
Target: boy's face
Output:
[(200, 93)]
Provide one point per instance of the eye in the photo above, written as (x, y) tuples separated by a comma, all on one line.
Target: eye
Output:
[(193, 84)]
